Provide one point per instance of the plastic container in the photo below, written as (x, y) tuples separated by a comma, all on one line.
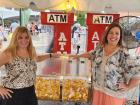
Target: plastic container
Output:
[(64, 79)]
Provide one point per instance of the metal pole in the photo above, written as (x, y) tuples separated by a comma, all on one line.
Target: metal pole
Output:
[(20, 16), (139, 96)]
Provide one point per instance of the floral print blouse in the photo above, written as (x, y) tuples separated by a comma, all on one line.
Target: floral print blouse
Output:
[(109, 71)]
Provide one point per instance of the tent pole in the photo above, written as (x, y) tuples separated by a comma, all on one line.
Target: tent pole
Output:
[(20, 17)]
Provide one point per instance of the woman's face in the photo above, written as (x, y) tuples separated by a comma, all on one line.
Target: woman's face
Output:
[(113, 36), (23, 41)]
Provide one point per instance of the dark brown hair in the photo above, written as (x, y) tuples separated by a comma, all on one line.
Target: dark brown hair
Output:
[(107, 30)]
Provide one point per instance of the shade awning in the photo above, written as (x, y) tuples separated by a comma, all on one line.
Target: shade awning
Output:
[(79, 5)]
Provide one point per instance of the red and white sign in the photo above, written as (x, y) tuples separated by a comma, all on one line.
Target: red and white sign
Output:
[(57, 18), (62, 29), (96, 26), (102, 19)]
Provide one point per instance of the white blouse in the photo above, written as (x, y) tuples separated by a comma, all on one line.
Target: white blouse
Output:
[(109, 71)]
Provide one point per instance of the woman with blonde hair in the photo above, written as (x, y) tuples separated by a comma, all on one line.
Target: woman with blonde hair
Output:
[(20, 59)]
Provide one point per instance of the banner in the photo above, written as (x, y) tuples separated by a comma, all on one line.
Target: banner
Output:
[(62, 29), (96, 25)]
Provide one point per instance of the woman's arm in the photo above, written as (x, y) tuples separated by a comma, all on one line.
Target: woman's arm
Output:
[(43, 57), (4, 92), (5, 57), (84, 55), (130, 72), (47, 56), (132, 83)]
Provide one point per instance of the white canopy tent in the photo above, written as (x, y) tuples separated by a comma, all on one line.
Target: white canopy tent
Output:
[(80, 5), (6, 13)]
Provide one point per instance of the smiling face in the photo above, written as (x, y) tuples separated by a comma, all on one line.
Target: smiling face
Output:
[(23, 41), (113, 36)]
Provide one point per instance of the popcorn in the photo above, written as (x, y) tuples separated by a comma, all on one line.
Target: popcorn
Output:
[(47, 89), (75, 90)]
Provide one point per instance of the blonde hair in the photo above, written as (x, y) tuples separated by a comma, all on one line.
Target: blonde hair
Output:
[(12, 48)]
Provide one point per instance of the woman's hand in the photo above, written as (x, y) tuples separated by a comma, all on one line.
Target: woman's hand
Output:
[(5, 93), (73, 56), (123, 86)]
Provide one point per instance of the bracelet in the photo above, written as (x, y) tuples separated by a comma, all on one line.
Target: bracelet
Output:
[(50, 55)]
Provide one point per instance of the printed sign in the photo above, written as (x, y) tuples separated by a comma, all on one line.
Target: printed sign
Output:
[(102, 19), (62, 23), (96, 25), (57, 18)]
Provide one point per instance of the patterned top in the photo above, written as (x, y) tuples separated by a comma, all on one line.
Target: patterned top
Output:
[(20, 73), (109, 71)]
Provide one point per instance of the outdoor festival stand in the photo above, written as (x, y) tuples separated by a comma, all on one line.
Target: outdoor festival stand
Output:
[(70, 80)]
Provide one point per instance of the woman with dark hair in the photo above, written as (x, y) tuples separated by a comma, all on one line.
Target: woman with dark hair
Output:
[(114, 73)]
